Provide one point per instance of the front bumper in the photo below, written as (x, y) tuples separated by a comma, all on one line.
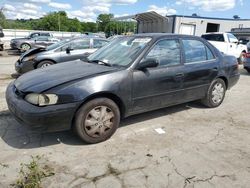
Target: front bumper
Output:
[(47, 119), (13, 46), (23, 67)]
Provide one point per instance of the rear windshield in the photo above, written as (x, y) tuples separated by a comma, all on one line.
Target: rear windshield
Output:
[(214, 37)]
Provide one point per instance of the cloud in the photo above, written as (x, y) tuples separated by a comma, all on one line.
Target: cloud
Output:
[(39, 1), (162, 10), (210, 5), (88, 10), (22, 11), (60, 5), (91, 8)]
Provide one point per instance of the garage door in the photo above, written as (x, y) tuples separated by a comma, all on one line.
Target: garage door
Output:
[(187, 29)]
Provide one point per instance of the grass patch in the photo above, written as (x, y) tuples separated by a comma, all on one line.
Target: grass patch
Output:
[(31, 174)]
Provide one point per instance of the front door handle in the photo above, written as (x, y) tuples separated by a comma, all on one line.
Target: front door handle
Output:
[(215, 69)]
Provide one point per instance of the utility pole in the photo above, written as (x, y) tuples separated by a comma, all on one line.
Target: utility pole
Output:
[(59, 23)]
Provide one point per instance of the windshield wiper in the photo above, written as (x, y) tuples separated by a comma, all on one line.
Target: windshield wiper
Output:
[(100, 62)]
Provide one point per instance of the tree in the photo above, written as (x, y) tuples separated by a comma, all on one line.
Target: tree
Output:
[(103, 20), (2, 19), (236, 17)]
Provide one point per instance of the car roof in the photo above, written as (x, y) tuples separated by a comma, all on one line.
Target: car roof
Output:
[(214, 33), (87, 37), (161, 35)]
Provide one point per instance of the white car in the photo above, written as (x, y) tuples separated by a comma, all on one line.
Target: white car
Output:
[(226, 43)]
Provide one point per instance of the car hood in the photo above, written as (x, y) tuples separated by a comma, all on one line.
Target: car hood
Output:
[(43, 79), (32, 52)]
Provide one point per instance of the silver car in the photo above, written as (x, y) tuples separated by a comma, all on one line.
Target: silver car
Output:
[(34, 40), (63, 51)]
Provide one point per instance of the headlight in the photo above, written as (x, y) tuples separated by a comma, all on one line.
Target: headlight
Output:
[(29, 58), (41, 99)]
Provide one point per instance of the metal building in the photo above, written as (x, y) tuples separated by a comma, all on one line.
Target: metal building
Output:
[(149, 22)]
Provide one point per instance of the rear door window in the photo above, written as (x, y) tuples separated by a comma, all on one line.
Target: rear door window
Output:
[(41, 38), (196, 51), (99, 43), (45, 34), (81, 44)]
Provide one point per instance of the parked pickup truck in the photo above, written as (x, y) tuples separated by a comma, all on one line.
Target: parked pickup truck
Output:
[(226, 43)]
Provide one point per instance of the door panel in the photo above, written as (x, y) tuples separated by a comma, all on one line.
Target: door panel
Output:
[(157, 87), (161, 86), (201, 68), (198, 78), (79, 48)]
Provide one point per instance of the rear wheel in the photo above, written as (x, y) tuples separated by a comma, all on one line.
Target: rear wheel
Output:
[(215, 94), (44, 64), (97, 120), (248, 70), (24, 47)]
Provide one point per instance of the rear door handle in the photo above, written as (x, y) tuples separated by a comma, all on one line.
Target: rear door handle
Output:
[(179, 75)]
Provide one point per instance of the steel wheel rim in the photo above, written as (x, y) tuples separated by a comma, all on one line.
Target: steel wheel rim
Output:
[(25, 47), (217, 93), (45, 65), (99, 121)]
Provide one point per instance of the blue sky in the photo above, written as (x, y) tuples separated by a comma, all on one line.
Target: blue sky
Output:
[(87, 10)]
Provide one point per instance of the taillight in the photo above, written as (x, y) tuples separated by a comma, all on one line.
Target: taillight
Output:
[(246, 55)]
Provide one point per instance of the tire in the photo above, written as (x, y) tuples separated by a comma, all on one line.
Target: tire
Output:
[(240, 62), (25, 47), (248, 70), (94, 112), (44, 64), (215, 94)]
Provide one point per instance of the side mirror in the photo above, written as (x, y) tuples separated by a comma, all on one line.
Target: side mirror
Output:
[(68, 50), (235, 42), (148, 63)]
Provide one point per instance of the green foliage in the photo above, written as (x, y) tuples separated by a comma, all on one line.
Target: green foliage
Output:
[(59, 21), (103, 20), (31, 174), (2, 19)]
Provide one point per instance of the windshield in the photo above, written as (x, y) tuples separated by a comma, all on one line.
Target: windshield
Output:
[(58, 44), (121, 51)]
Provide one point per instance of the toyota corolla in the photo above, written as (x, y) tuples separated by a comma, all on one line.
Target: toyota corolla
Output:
[(131, 75)]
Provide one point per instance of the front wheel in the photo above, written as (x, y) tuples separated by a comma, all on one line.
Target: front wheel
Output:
[(97, 120), (215, 94), (44, 64), (25, 47)]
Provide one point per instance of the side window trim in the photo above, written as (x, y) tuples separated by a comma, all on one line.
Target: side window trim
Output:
[(165, 66), (208, 48)]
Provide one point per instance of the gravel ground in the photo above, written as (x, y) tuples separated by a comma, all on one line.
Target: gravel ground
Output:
[(201, 147)]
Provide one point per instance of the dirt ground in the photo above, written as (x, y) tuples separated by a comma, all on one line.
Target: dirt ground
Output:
[(201, 147)]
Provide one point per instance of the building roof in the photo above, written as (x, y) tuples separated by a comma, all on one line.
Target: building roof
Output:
[(211, 18), (146, 16)]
